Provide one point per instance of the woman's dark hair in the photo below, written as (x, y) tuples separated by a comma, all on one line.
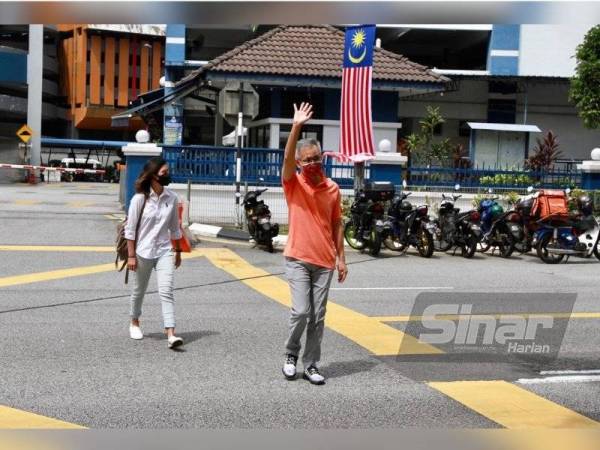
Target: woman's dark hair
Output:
[(151, 168)]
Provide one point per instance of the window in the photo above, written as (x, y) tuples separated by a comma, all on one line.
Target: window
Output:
[(501, 111), (308, 132)]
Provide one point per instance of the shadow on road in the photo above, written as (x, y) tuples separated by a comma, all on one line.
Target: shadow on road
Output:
[(346, 368)]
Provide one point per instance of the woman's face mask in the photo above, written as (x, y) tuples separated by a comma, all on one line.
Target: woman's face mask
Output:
[(164, 180)]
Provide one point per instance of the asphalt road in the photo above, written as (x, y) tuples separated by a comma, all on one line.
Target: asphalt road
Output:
[(66, 354)]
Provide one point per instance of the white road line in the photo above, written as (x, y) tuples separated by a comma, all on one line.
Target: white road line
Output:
[(570, 372), (560, 379), (398, 288)]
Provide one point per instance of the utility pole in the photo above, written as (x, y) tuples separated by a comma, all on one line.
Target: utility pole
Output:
[(35, 76)]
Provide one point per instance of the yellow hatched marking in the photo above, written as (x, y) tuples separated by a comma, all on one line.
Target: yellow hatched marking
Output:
[(11, 418), (27, 202), (370, 333), (512, 406), (79, 204)]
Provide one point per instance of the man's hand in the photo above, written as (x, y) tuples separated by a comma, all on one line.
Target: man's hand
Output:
[(177, 259), (303, 114), (342, 270)]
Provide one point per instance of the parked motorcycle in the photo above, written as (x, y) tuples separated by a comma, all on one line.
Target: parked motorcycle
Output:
[(455, 228), (497, 230), (367, 217), (522, 215), (258, 219), (563, 234), (406, 226)]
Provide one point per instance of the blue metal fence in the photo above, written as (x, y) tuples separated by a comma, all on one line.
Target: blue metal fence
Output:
[(206, 164), (217, 165)]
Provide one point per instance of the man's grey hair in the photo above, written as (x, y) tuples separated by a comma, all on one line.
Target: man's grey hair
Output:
[(303, 143)]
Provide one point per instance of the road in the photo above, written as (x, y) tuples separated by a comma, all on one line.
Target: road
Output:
[(66, 359)]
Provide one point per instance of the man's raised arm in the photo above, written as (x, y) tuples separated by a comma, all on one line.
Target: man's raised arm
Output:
[(301, 116)]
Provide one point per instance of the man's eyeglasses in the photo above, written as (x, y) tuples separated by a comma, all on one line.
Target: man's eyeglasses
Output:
[(315, 159)]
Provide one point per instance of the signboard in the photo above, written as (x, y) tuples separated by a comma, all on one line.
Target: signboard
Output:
[(173, 131), (229, 101), (25, 133)]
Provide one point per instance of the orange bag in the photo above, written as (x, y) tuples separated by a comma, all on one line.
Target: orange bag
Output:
[(184, 243), (551, 202)]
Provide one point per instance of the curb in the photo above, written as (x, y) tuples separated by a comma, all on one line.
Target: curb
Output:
[(199, 230)]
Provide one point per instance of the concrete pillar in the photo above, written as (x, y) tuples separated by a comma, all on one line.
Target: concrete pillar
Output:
[(35, 77), (174, 64), (590, 171), (136, 154)]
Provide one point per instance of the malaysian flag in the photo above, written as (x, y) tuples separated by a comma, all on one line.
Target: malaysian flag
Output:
[(356, 128)]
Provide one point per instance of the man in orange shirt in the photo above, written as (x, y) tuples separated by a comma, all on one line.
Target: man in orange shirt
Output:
[(315, 241)]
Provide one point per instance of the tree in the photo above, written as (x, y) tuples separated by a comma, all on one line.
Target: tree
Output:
[(585, 85), (422, 147), (546, 152)]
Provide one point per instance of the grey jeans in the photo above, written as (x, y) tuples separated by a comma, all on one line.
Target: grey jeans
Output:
[(309, 286), (165, 268)]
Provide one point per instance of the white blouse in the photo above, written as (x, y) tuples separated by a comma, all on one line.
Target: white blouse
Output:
[(160, 223)]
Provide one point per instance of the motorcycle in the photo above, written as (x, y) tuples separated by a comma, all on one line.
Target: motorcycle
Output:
[(367, 214), (563, 235), (258, 219), (406, 226), (523, 216), (497, 230), (455, 228)]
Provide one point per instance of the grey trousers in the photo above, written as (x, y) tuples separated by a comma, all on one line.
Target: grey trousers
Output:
[(164, 267), (309, 286)]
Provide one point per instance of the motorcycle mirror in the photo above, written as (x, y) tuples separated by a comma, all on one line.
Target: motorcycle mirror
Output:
[(530, 189), (457, 187)]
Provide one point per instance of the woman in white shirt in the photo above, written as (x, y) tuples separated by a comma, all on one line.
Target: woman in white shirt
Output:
[(152, 248)]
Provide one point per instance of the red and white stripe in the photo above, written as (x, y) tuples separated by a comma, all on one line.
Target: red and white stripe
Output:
[(58, 169), (356, 128)]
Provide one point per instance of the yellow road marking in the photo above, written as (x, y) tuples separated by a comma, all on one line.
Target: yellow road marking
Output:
[(56, 248), (565, 315), (11, 418), (68, 273), (79, 204), (378, 338), (27, 202), (512, 406)]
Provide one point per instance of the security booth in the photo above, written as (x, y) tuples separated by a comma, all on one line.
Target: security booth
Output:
[(499, 144)]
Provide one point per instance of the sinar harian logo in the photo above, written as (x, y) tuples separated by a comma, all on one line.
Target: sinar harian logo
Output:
[(454, 323)]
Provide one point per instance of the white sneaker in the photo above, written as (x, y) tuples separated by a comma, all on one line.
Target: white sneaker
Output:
[(289, 367), (174, 341), (135, 332), (312, 374)]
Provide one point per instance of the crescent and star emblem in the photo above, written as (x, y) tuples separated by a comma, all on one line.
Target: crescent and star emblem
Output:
[(358, 41)]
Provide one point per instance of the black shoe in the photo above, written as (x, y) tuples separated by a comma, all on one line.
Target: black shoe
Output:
[(289, 367), (313, 375)]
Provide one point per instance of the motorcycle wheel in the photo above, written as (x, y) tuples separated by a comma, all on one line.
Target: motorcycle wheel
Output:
[(425, 244), (470, 247), (374, 243), (393, 244), (506, 244), (597, 250), (350, 233), (483, 246), (543, 253)]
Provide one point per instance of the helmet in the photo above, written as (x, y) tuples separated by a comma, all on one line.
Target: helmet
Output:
[(405, 206), (496, 210), (585, 204)]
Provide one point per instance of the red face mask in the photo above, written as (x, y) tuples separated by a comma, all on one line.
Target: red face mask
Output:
[(312, 170)]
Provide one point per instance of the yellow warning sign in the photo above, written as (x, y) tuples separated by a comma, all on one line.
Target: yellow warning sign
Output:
[(25, 133)]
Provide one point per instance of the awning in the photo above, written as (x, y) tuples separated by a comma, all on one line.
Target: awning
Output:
[(154, 101), (504, 127)]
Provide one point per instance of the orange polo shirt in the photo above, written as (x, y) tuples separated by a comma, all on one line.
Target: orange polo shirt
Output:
[(312, 213)]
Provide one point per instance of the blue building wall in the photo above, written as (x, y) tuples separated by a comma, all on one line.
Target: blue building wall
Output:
[(505, 38)]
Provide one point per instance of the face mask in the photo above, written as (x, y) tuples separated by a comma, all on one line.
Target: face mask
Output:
[(164, 180), (312, 170)]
